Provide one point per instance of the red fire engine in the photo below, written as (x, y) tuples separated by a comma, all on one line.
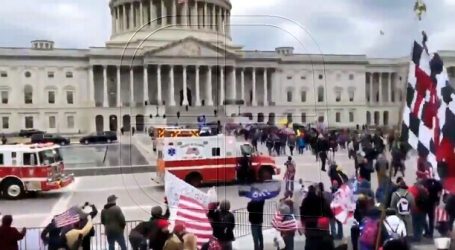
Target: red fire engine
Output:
[(209, 159), (30, 168)]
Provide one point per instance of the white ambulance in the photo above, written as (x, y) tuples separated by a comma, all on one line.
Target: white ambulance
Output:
[(209, 159), (31, 167)]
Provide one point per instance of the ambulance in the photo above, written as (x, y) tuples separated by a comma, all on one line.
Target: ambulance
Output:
[(31, 168), (210, 159)]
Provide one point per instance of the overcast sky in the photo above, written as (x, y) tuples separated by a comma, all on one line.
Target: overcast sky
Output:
[(311, 26)]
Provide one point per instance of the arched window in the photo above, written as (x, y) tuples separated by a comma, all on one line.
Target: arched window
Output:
[(320, 94), (385, 118), (368, 118), (351, 93), (338, 91), (28, 94), (289, 95)]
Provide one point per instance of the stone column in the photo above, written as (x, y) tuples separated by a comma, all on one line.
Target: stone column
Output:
[(141, 14), (221, 85), (158, 87), (253, 89), (266, 100), (153, 14), (119, 97), (213, 18), (163, 14), (198, 92), (185, 14), (125, 27), (91, 80), (171, 86), (380, 89), (132, 104), (185, 94), (131, 27), (194, 16), (371, 87), (234, 84), (113, 21), (228, 23), (105, 99), (146, 84), (220, 20), (209, 87), (389, 89), (174, 13), (242, 85), (117, 19), (205, 16)]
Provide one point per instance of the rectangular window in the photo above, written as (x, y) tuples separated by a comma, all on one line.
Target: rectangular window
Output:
[(289, 117), (216, 151), (50, 74), (70, 121), (69, 97), (4, 97), (303, 117), (338, 117), (5, 122), (29, 122), (1, 160), (289, 96), (28, 97), (351, 95), (303, 96), (51, 121), (29, 159), (3, 74), (69, 74), (51, 97), (351, 116), (289, 77), (351, 77)]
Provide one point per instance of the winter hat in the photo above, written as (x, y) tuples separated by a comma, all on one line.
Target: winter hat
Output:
[(111, 199), (179, 228), (225, 205), (284, 209), (156, 211)]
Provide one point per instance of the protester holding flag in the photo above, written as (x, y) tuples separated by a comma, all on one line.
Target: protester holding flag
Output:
[(188, 239), (223, 223), (284, 222)]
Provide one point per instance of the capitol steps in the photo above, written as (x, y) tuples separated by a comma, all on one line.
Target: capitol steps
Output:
[(188, 116)]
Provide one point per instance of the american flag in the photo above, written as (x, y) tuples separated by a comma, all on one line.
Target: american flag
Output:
[(193, 215), (289, 225), (69, 217), (429, 114), (440, 215)]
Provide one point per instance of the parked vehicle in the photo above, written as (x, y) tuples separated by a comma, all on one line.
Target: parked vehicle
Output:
[(101, 137), (31, 168), (29, 132), (46, 138)]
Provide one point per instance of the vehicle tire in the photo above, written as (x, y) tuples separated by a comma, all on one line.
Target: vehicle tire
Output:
[(109, 141), (12, 189), (265, 174), (86, 142), (62, 143), (194, 179)]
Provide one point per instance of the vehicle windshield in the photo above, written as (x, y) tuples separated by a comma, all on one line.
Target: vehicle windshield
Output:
[(50, 156), (246, 149)]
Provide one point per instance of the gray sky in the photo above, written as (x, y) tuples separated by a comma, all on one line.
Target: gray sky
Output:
[(311, 26)]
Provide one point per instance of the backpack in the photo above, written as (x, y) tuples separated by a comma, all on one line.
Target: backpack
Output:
[(369, 232), (393, 235), (403, 207)]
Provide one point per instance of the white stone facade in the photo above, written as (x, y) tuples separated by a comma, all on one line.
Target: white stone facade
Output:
[(171, 45)]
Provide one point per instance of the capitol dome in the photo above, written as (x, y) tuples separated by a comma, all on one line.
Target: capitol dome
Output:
[(156, 23)]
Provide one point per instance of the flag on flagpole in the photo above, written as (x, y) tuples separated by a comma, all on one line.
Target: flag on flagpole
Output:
[(67, 218), (429, 114), (193, 215)]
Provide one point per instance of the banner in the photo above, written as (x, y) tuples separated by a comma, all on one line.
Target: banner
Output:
[(174, 187), (343, 204), (260, 191)]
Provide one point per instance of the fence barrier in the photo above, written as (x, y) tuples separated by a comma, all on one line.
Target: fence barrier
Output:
[(32, 241)]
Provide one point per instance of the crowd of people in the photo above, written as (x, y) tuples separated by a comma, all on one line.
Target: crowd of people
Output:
[(392, 216)]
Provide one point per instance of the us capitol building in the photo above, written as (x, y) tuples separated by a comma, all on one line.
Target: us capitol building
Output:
[(169, 56)]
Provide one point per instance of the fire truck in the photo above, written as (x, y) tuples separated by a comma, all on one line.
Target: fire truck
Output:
[(210, 159), (31, 168)]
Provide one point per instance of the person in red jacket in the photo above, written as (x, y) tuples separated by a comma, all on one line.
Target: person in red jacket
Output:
[(421, 198), (9, 236)]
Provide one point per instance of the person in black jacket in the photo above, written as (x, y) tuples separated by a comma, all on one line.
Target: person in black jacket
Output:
[(86, 241), (223, 223), (157, 236), (52, 236), (322, 146), (434, 188), (256, 214)]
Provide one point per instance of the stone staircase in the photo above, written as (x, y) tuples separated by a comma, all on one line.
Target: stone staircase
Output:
[(188, 116)]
